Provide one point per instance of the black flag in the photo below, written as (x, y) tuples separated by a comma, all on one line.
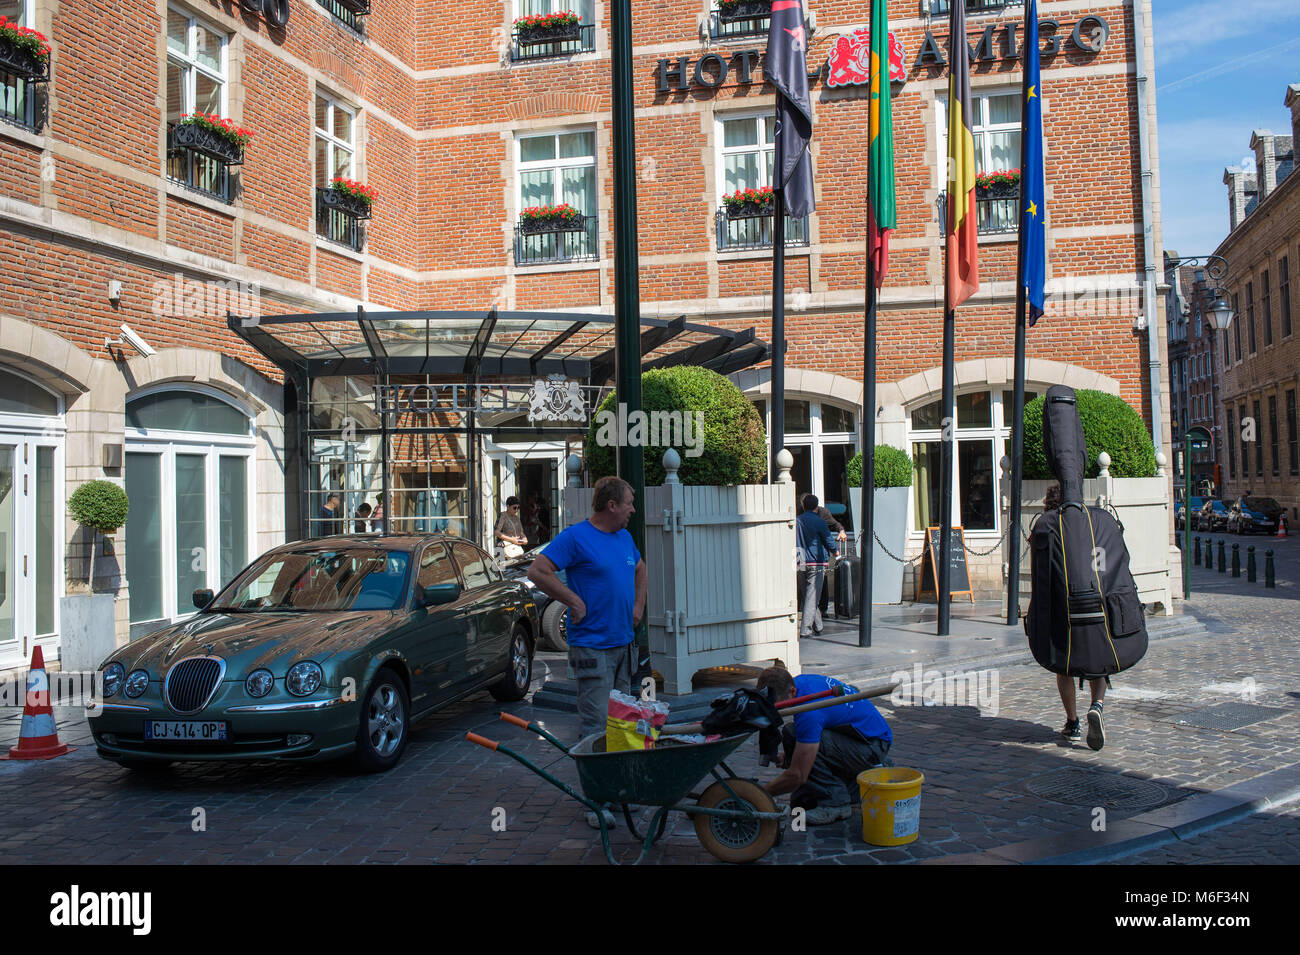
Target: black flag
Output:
[(787, 68)]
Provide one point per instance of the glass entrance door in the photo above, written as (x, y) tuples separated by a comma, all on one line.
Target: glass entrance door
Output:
[(28, 566)]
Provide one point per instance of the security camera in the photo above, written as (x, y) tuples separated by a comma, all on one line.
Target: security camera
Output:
[(134, 340)]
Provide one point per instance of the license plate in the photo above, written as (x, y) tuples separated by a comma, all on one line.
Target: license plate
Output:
[(186, 730)]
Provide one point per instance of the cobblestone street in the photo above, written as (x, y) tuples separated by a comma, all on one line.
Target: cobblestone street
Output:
[(994, 777)]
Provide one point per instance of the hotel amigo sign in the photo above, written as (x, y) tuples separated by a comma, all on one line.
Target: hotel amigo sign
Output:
[(997, 42)]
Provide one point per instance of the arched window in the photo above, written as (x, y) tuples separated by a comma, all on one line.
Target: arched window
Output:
[(189, 479), (822, 437)]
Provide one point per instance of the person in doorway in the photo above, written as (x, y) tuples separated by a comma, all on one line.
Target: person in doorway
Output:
[(362, 514), (606, 597), (329, 516), (815, 545), (1065, 682), (377, 518), (825, 749), (509, 533), (528, 517), (840, 535), (543, 520)]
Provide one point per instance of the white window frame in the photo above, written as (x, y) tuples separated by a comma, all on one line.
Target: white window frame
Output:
[(166, 444), (815, 438), (192, 67), (980, 105), (561, 6), (333, 142), (998, 432), (557, 164), (767, 156)]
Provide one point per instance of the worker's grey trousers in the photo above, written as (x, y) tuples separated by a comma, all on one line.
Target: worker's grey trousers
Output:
[(843, 754)]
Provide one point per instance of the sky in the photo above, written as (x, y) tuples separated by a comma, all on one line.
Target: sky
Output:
[(1222, 69)]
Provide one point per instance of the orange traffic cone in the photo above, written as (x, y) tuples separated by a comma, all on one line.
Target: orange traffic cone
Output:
[(39, 737), (1281, 525)]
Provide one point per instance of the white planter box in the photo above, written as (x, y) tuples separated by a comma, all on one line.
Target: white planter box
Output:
[(890, 516)]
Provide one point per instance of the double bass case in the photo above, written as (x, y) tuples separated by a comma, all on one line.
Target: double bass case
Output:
[(1085, 618)]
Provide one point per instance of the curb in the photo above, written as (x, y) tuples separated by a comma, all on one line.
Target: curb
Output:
[(1189, 817)]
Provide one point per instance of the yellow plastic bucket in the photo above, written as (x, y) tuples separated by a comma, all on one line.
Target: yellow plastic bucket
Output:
[(891, 805)]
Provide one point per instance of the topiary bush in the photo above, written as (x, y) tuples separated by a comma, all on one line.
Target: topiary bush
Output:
[(734, 440), (1110, 424), (100, 505), (893, 468)]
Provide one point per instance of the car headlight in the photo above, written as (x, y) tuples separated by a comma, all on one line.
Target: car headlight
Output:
[(113, 675), (303, 678), (137, 683), (259, 683)]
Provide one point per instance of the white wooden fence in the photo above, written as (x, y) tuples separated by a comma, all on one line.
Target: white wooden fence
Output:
[(721, 576)]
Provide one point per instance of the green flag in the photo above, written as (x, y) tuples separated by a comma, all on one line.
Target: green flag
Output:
[(882, 211)]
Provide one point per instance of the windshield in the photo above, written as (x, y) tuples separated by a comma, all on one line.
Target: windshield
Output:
[(1263, 504), (352, 579)]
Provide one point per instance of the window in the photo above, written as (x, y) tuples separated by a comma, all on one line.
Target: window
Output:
[(1259, 444), (942, 8), (1267, 303), (435, 568), (1232, 442), (348, 11), (995, 123), (543, 45), (1236, 329), (822, 438), (1292, 439), (746, 18), (747, 153), (1250, 316), (1272, 433), (1284, 287), (473, 565), (189, 477), (1245, 445), (22, 102), (196, 82), (557, 169), (336, 157)]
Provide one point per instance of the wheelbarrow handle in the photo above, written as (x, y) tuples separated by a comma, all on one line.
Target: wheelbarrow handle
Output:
[(685, 729), (517, 721), (482, 741), (534, 728), (836, 690)]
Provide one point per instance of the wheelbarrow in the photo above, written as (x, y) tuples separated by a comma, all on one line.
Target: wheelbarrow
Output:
[(735, 819)]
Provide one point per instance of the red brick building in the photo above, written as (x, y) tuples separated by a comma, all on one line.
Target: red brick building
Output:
[(113, 212)]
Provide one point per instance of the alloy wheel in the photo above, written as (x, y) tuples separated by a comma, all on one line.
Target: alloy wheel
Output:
[(386, 720)]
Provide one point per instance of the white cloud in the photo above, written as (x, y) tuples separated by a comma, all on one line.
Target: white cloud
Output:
[(1181, 29), (1247, 163)]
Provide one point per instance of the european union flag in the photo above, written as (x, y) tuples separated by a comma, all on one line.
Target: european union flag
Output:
[(1033, 198)]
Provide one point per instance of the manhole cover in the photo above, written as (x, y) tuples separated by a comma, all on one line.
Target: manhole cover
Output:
[(1075, 786), (1229, 716)]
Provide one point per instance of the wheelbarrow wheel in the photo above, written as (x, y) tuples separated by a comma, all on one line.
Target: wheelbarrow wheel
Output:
[(736, 838)]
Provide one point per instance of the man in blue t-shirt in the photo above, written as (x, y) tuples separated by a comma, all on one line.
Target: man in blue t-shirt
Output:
[(826, 748), (605, 594)]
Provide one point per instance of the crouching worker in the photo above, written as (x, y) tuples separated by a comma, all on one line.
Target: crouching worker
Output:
[(825, 749)]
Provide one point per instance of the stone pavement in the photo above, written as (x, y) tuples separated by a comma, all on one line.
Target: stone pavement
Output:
[(996, 772)]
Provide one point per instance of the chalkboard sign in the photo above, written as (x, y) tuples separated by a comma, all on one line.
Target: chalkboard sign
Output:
[(958, 572)]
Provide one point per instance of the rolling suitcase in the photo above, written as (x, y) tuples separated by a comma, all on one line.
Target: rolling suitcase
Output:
[(846, 573)]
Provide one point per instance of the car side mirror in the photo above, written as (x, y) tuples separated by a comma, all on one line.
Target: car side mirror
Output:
[(437, 594), (202, 597)]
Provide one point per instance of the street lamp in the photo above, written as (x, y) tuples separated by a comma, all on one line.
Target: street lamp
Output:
[(1220, 312)]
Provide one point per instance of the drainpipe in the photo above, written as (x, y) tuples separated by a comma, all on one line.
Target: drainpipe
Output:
[(1148, 225)]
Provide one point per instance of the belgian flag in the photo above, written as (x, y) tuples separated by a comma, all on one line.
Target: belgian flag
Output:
[(963, 279)]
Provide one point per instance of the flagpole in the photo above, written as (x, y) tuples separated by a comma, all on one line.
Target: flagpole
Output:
[(866, 533), (948, 424), (1018, 405), (778, 328)]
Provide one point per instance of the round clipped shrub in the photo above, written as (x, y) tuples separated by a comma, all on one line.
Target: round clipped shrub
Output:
[(1110, 424), (734, 442), (893, 468), (101, 505)]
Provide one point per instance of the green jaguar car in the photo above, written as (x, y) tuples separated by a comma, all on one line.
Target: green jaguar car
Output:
[(317, 650)]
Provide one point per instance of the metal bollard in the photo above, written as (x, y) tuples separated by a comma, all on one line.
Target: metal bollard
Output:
[(1209, 554), (1223, 557), (1236, 559), (1196, 551), (1269, 579), (1250, 564)]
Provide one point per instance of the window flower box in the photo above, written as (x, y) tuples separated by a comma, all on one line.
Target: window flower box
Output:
[(211, 135), (348, 197), (729, 11), (750, 203), (548, 28), (536, 220), (1002, 184), (23, 52)]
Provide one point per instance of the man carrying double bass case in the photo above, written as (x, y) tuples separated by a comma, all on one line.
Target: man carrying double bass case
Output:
[(1085, 618)]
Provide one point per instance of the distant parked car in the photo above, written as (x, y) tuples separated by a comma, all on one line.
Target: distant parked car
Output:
[(1267, 506), (1180, 511), (1246, 520), (555, 615), (1213, 516), (320, 649)]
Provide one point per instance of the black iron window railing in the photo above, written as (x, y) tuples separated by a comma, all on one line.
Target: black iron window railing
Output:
[(554, 244), (349, 12), (745, 19), (22, 102), (944, 7), (560, 41), (341, 218), (196, 169), (755, 232), (994, 215)]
